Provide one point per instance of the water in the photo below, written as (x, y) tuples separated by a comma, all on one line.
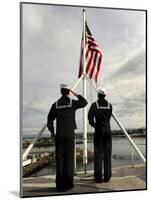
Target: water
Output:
[(121, 154)]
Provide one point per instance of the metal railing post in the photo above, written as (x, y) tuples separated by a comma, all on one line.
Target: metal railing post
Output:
[(129, 138), (132, 156)]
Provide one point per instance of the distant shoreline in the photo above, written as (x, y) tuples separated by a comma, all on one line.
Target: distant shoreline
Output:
[(131, 135), (47, 141), (137, 132)]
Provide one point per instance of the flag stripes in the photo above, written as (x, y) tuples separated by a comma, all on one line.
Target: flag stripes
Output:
[(93, 56)]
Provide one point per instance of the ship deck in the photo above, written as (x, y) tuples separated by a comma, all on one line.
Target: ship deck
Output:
[(124, 178)]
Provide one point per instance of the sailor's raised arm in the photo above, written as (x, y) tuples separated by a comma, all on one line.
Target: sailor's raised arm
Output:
[(81, 102)]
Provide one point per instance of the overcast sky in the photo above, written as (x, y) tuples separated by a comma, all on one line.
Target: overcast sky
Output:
[(51, 51)]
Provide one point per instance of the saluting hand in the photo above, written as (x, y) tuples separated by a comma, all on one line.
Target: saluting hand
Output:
[(74, 93)]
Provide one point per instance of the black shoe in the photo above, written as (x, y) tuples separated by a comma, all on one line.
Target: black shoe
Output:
[(68, 187), (106, 180), (98, 180), (60, 189)]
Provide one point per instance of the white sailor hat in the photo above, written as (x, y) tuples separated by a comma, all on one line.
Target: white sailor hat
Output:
[(101, 90), (64, 86)]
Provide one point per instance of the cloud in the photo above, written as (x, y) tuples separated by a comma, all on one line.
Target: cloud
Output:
[(51, 50), (134, 65)]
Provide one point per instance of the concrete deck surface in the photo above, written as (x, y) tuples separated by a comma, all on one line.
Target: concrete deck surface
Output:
[(123, 178)]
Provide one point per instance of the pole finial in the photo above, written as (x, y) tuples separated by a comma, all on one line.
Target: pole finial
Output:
[(83, 10)]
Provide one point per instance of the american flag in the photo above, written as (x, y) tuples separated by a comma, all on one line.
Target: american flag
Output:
[(93, 56)]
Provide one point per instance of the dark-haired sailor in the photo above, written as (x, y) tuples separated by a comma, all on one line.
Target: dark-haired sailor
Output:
[(99, 117), (63, 111)]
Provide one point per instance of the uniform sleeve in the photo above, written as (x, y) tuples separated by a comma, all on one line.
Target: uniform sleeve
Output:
[(81, 102), (51, 117), (91, 116)]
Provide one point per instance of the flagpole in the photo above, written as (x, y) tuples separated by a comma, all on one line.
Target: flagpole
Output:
[(84, 94)]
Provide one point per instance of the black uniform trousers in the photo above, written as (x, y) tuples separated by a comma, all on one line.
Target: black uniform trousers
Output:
[(64, 161), (102, 154)]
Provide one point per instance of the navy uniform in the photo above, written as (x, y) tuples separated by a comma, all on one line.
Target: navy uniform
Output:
[(63, 111), (99, 117)]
